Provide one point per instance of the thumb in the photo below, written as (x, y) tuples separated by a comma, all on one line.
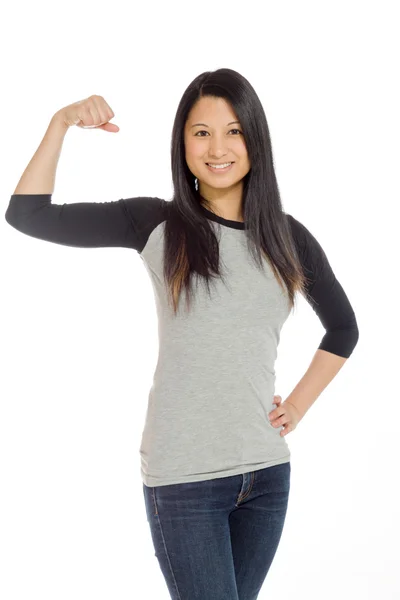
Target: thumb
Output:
[(277, 400), (109, 127)]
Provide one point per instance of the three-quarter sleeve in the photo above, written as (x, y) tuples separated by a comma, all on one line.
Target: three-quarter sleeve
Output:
[(118, 223), (326, 295)]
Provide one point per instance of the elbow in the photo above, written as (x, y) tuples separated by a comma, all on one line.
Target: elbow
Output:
[(353, 334), (352, 340), (341, 341)]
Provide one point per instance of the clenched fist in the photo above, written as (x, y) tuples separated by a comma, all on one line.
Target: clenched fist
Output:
[(93, 112)]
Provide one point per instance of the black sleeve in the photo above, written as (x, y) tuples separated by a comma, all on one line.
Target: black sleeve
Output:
[(124, 223), (325, 294)]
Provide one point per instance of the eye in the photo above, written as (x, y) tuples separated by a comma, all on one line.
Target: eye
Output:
[(203, 131)]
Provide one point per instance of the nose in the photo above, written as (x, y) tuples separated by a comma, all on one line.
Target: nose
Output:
[(218, 147)]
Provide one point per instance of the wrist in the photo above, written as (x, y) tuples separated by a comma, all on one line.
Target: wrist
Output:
[(59, 122)]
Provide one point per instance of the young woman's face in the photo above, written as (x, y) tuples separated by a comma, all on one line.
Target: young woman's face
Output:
[(214, 135)]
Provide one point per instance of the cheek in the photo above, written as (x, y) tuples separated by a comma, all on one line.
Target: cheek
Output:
[(241, 148), (193, 151), (194, 160), (245, 156)]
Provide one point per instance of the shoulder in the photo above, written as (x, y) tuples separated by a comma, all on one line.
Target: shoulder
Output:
[(144, 214), (144, 206), (300, 233), (302, 236), (310, 251), (145, 211)]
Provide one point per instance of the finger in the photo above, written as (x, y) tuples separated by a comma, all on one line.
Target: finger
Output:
[(110, 109), (285, 431), (94, 112), (276, 413), (86, 117), (280, 420), (277, 400), (103, 110)]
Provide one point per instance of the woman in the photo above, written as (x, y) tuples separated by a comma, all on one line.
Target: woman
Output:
[(215, 464)]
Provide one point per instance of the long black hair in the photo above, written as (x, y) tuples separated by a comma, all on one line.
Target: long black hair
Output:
[(191, 246)]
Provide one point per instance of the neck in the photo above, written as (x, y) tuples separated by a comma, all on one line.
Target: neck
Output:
[(227, 207)]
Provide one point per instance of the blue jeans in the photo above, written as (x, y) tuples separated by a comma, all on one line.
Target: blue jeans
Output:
[(216, 539)]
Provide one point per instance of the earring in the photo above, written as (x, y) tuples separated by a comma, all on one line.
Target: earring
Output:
[(196, 184)]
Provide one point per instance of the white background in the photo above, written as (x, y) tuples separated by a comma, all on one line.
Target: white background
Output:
[(79, 326)]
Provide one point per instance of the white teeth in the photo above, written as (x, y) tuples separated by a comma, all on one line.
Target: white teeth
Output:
[(220, 166)]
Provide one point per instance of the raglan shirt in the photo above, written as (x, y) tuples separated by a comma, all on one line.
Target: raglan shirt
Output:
[(214, 381)]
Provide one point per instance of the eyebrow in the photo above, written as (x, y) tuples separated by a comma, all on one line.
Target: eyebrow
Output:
[(204, 125)]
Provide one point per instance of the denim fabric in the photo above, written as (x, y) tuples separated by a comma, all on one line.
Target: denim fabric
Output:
[(216, 539)]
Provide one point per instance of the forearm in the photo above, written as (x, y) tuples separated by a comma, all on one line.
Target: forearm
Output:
[(39, 176), (323, 368)]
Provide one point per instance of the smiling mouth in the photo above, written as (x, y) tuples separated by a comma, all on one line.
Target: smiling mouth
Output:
[(220, 169)]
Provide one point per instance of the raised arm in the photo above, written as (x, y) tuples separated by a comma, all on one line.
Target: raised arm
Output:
[(39, 175), (123, 223)]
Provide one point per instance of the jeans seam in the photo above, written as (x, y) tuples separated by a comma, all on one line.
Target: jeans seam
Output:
[(154, 501), (165, 546), (250, 488)]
